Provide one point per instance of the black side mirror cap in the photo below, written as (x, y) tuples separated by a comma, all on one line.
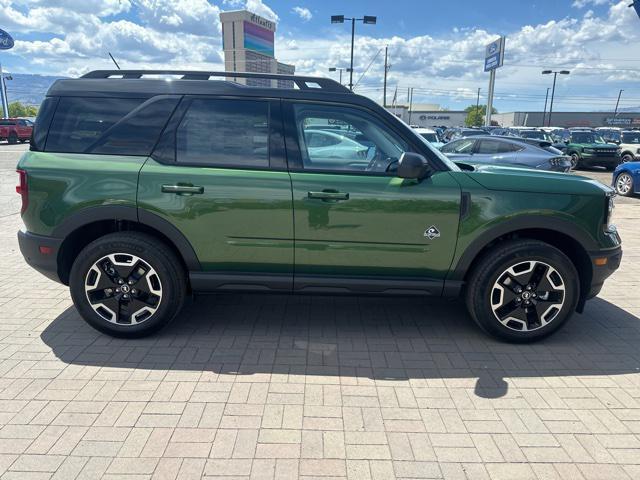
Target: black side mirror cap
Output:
[(413, 166)]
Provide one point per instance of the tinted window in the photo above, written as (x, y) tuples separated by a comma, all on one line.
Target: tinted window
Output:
[(430, 137), (494, 147), (43, 120), (79, 122), (459, 146), (631, 137), (361, 144), (224, 132)]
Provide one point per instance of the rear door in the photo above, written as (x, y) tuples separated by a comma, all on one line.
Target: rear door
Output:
[(495, 152), (358, 227), (218, 175)]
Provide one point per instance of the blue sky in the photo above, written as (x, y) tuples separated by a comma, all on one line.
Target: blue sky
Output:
[(435, 47)]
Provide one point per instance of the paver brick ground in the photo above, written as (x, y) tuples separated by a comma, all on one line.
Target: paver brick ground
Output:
[(314, 387)]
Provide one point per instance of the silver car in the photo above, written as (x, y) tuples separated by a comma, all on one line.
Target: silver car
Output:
[(512, 151)]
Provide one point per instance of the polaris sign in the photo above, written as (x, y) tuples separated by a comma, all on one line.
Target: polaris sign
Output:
[(6, 42), (494, 55)]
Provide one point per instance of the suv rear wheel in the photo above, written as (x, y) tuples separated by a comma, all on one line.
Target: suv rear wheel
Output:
[(522, 291), (575, 160), (127, 284)]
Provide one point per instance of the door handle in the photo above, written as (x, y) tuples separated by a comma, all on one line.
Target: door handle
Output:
[(328, 195), (182, 189)]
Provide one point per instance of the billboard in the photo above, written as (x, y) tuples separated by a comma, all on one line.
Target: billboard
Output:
[(494, 55), (258, 39)]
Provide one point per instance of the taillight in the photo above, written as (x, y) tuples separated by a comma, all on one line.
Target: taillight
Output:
[(22, 190)]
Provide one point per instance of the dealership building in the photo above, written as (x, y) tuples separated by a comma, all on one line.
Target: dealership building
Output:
[(248, 45), (428, 115), (568, 119)]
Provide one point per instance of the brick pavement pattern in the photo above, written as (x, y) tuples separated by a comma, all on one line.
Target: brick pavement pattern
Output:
[(315, 387)]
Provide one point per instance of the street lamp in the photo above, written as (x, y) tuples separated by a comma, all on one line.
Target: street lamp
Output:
[(339, 69), (553, 89), (366, 19)]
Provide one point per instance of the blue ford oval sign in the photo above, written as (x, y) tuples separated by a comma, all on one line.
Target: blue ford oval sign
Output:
[(6, 42)]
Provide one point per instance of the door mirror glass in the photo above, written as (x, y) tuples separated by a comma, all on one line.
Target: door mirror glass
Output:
[(413, 166)]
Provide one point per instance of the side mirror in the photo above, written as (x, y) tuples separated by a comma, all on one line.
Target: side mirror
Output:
[(413, 166)]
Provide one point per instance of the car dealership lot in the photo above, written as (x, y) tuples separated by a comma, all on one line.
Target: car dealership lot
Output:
[(284, 386)]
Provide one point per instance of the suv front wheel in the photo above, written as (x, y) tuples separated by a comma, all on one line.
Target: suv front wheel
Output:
[(127, 284), (522, 290)]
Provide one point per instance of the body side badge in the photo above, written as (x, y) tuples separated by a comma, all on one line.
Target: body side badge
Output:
[(432, 232)]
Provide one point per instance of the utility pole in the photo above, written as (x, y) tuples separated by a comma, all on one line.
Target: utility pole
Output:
[(386, 69), (410, 103), (3, 91), (618, 103), (544, 113), (478, 103)]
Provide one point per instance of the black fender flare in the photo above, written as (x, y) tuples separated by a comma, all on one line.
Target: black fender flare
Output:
[(525, 222), (133, 214)]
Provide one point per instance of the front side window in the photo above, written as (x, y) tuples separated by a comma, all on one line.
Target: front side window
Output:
[(232, 133), (345, 139), (631, 137), (464, 145)]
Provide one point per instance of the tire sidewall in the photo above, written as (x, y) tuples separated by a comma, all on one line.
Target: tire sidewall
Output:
[(172, 291), (495, 266)]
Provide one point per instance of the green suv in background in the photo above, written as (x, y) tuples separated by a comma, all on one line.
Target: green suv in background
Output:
[(138, 191), (588, 149)]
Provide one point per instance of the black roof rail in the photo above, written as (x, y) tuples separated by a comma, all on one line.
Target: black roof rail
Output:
[(302, 82)]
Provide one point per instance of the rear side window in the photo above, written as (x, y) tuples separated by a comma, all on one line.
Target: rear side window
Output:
[(492, 147), (218, 132), (79, 122)]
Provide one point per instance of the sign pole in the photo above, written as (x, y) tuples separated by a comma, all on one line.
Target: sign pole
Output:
[(3, 92), (492, 84)]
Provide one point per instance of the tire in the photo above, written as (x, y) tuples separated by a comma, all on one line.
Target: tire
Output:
[(575, 161), (107, 266), (13, 139), (623, 184), (627, 157), (492, 291)]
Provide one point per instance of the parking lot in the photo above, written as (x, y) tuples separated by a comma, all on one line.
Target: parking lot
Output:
[(308, 387)]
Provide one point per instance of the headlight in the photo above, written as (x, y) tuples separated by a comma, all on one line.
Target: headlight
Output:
[(609, 211)]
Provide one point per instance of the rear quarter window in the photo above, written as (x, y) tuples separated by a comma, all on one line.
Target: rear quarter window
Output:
[(114, 126)]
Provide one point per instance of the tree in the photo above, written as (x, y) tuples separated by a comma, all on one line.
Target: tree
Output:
[(17, 109), (475, 116)]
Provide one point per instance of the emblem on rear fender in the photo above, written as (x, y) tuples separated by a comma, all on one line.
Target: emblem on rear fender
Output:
[(432, 232)]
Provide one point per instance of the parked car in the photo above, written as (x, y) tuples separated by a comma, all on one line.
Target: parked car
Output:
[(507, 151), (430, 136), (626, 179), (15, 130), (588, 149), (630, 145), (332, 144), (536, 134), (197, 186)]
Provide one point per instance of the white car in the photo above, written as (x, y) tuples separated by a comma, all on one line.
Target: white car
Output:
[(331, 144), (430, 136), (630, 146)]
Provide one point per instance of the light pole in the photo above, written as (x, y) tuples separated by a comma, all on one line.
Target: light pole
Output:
[(338, 69), (366, 19), (553, 89), (615, 114), (544, 113)]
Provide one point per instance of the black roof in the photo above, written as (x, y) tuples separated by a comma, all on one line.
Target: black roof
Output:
[(148, 83)]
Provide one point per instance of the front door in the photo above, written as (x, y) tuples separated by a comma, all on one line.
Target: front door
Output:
[(358, 227), (219, 176)]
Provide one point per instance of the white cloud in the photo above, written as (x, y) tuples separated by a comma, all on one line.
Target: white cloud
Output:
[(259, 7), (584, 3), (304, 13)]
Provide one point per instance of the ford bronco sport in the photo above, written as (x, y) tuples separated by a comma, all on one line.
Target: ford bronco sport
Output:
[(139, 190)]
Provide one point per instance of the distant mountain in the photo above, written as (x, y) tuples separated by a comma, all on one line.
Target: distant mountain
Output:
[(28, 89)]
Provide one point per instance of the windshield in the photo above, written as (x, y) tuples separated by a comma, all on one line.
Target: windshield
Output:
[(631, 137), (430, 137), (586, 137)]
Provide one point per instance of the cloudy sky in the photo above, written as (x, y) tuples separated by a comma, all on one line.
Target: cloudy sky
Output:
[(436, 47)]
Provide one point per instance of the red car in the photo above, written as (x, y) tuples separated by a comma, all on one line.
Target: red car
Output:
[(15, 130)]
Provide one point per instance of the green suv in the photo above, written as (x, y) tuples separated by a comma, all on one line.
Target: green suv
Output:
[(139, 190), (588, 149)]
